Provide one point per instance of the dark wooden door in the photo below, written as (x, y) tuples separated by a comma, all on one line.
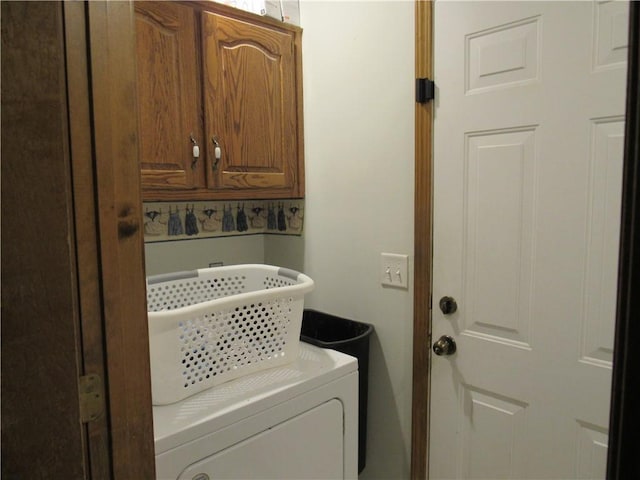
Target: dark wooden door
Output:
[(42, 436)]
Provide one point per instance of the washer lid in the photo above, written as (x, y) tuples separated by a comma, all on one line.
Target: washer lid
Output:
[(222, 405)]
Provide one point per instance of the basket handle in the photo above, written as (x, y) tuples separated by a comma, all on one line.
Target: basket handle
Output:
[(168, 277), (289, 273)]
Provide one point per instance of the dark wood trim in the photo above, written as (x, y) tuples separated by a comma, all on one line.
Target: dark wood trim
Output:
[(87, 251), (113, 90), (422, 249), (624, 428)]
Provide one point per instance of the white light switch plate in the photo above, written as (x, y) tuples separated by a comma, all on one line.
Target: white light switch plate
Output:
[(394, 270)]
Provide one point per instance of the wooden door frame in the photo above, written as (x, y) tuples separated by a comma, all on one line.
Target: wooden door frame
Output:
[(119, 212), (623, 460), (84, 213), (100, 62), (422, 246)]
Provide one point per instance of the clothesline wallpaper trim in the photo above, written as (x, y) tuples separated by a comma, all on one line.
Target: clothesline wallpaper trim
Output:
[(165, 221)]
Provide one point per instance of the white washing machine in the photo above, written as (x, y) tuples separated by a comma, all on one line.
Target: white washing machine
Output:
[(298, 421)]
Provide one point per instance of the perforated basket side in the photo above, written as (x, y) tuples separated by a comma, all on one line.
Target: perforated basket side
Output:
[(221, 344), (252, 322)]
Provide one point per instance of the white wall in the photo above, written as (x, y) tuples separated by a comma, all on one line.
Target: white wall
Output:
[(165, 257), (358, 67)]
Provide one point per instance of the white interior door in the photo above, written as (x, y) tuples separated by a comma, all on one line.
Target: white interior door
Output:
[(529, 123)]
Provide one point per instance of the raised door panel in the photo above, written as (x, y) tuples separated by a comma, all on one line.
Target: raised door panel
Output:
[(168, 95), (251, 107)]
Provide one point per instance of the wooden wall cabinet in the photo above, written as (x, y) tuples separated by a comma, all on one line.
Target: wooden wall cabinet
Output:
[(168, 95), (232, 81)]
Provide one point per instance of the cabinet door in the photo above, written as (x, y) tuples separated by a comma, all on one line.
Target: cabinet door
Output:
[(168, 95), (251, 108)]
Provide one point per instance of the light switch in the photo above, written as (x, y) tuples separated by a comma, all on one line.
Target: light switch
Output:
[(394, 270)]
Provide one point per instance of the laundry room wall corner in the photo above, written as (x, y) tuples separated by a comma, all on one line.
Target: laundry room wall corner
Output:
[(359, 149)]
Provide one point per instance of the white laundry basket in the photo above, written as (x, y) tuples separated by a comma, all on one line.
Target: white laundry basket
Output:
[(212, 325)]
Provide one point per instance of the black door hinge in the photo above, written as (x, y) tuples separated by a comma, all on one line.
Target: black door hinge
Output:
[(425, 90)]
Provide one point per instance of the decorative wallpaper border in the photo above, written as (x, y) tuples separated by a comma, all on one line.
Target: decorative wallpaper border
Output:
[(165, 221)]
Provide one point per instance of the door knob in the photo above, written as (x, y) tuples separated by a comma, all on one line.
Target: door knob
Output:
[(448, 305), (444, 346)]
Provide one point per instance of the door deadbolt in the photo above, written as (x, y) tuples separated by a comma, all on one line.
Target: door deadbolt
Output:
[(444, 346), (448, 305)]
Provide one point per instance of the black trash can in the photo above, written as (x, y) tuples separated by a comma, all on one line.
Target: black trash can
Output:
[(352, 338)]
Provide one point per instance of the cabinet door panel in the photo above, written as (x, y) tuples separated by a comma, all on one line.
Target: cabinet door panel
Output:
[(250, 105), (168, 94)]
